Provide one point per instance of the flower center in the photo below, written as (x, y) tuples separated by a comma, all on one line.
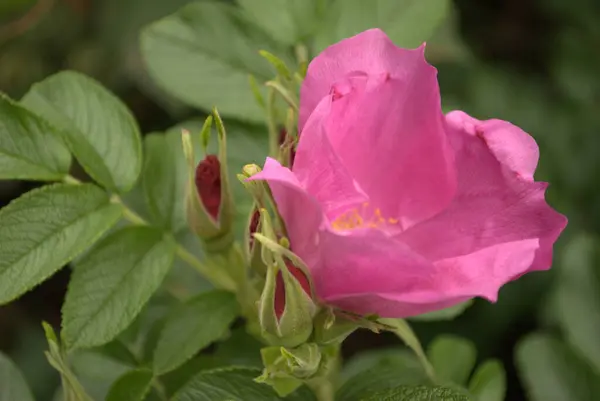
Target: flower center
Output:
[(363, 217)]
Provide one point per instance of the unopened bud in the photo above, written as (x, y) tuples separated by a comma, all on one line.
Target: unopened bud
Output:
[(286, 309)]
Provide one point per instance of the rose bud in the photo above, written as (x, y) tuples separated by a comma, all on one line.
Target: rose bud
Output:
[(397, 209), (209, 201)]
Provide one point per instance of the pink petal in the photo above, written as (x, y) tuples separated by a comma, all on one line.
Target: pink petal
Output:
[(495, 203), (370, 52), (320, 171), (512, 146), (302, 214), (388, 131)]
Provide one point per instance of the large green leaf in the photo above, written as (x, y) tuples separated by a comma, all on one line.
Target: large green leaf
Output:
[(199, 322), (408, 23), (488, 382), (12, 383), (30, 149), (287, 21), (453, 358), (578, 297), (233, 384), (203, 55), (164, 179), (113, 282), (97, 126), (46, 228), (132, 386), (551, 371), (379, 370), (419, 393)]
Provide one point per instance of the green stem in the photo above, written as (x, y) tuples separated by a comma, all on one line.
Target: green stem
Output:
[(403, 330)]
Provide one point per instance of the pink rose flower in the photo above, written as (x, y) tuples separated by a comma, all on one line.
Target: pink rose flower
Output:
[(396, 208)]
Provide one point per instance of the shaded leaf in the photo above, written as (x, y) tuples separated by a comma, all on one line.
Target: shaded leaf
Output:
[(444, 314), (132, 386), (96, 125), (46, 228), (488, 382), (419, 393), (452, 357), (113, 282), (13, 386)]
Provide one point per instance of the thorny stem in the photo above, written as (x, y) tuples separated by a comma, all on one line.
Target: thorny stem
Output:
[(180, 251)]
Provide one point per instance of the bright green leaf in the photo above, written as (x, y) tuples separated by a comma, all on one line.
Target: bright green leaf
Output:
[(113, 282), (444, 314), (287, 21), (379, 370), (30, 149), (453, 358), (164, 179), (203, 55), (488, 382), (46, 228), (13, 386), (408, 23), (578, 297), (97, 126), (553, 372), (419, 393), (132, 386), (233, 384), (199, 322)]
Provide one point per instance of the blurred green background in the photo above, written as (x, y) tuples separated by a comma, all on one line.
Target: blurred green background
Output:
[(535, 63)]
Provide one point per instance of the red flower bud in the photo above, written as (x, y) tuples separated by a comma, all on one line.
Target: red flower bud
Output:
[(280, 288), (208, 184), (253, 227)]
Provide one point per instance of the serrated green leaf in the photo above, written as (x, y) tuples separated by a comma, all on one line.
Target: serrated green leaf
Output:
[(46, 228), (192, 327), (444, 314), (95, 124), (551, 371), (164, 179), (132, 386), (419, 393), (379, 370), (112, 283), (13, 386), (233, 384), (287, 21), (488, 382), (203, 55), (408, 23), (577, 297), (452, 357), (30, 149)]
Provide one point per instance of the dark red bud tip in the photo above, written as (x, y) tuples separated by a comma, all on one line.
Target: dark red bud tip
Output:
[(208, 184), (280, 288), (253, 226)]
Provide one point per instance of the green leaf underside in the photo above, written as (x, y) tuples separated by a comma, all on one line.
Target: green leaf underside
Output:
[(408, 23), (444, 314), (30, 149), (488, 382), (97, 126), (164, 179), (203, 55), (419, 393), (12, 383), (551, 371), (113, 282), (46, 228), (233, 384), (379, 370), (132, 386), (452, 358), (199, 322)]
